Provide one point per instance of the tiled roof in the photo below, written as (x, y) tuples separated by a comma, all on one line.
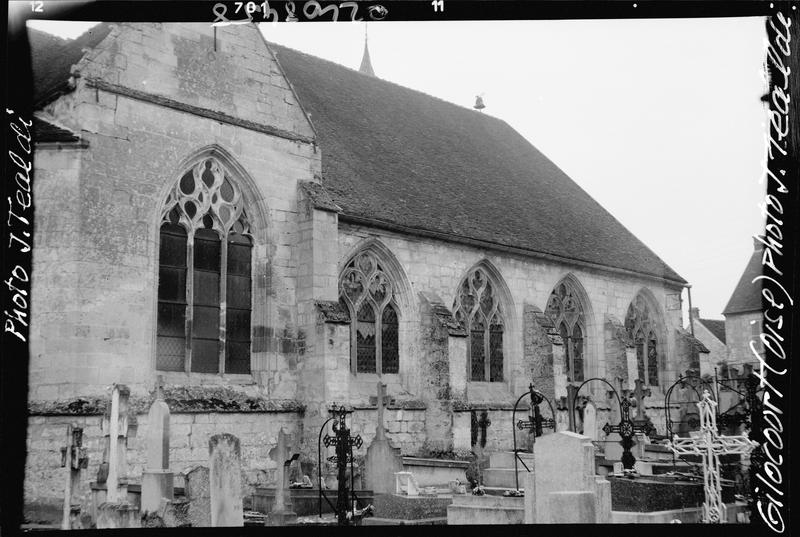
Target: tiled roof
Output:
[(52, 58), (747, 295), (716, 327), (397, 156)]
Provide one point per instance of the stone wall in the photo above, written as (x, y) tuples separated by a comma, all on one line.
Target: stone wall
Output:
[(189, 435), (98, 209), (740, 330), (437, 267), (405, 428)]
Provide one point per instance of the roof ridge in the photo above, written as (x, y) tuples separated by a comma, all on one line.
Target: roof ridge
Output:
[(376, 77)]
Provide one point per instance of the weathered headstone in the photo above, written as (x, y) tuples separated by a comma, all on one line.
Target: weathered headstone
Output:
[(157, 479), (564, 463), (382, 459), (196, 490), (117, 511), (73, 458), (633, 368), (572, 507), (117, 482), (590, 420), (283, 455), (225, 480)]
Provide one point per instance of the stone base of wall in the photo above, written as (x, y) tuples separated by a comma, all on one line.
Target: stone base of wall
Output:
[(189, 435)]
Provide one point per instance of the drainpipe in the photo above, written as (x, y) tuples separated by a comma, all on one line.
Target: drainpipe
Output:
[(691, 321)]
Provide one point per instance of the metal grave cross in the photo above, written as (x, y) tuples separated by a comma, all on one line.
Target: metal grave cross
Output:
[(344, 444), (484, 424), (710, 445), (535, 423), (626, 429)]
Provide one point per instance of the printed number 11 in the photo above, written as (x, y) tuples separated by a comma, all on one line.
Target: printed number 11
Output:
[(438, 5)]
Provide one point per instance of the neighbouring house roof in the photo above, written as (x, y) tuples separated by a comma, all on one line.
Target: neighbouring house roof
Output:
[(716, 327), (397, 156), (746, 296)]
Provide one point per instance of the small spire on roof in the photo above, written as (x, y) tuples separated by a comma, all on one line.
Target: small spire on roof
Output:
[(366, 64), (479, 103)]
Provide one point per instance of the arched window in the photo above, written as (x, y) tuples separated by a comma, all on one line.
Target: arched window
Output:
[(205, 275), (642, 330), (566, 311), (367, 293), (478, 309)]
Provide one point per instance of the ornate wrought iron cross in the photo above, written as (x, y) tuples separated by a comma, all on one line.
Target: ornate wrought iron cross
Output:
[(626, 429), (710, 445), (484, 424), (535, 423), (344, 444)]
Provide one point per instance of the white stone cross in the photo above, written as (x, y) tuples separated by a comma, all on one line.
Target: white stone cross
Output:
[(710, 445), (383, 399), (116, 482)]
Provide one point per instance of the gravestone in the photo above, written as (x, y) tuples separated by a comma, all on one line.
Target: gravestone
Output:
[(283, 454), (196, 490), (590, 420), (382, 460), (73, 458), (564, 463), (117, 480), (157, 479), (116, 511), (572, 507), (225, 480)]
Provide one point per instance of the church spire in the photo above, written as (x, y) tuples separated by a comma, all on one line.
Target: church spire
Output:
[(366, 64)]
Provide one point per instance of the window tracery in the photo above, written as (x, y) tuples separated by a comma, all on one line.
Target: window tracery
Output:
[(477, 308), (205, 275), (367, 292), (641, 327), (566, 310)]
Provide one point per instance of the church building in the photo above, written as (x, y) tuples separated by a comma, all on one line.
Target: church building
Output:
[(267, 234)]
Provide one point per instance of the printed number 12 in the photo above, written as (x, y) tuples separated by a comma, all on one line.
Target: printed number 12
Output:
[(438, 5), (37, 7)]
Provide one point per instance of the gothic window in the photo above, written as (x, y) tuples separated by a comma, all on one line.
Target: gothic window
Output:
[(205, 275), (641, 328), (566, 311), (366, 291), (478, 309)]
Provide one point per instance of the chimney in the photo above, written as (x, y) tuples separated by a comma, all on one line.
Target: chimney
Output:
[(695, 313)]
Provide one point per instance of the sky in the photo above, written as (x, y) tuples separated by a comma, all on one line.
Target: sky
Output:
[(659, 120)]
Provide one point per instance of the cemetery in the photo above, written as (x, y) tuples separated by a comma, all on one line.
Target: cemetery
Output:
[(552, 475), (271, 290)]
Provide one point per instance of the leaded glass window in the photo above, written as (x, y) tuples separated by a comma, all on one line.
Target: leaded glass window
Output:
[(367, 292), (204, 313), (641, 327), (478, 309), (566, 311)]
